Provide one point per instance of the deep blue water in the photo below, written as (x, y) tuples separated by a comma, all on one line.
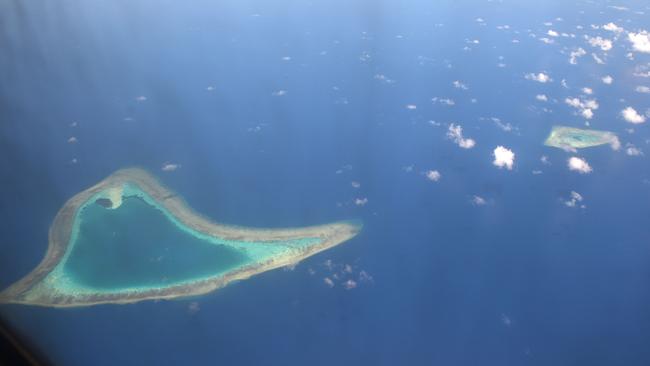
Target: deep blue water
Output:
[(521, 280)]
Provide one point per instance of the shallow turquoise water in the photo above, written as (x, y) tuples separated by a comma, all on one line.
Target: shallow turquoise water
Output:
[(136, 245)]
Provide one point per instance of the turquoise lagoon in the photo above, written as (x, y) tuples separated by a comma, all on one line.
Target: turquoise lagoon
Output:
[(139, 245)]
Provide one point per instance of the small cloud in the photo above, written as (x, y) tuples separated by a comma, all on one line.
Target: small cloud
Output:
[(72, 140), (632, 150), (573, 59), (642, 89), (355, 184), (579, 164), (503, 157), (541, 97), (328, 281), (544, 160), (586, 106), (612, 28), (169, 167), (540, 77), (587, 91), (361, 201), (433, 175), (193, 308), (411, 107), (598, 60), (552, 33), (574, 200), (365, 277), (141, 98), (632, 116), (506, 320), (384, 79), (478, 201), (506, 126), (455, 133), (458, 85), (279, 93), (444, 101), (604, 44), (350, 284), (640, 41), (607, 79)]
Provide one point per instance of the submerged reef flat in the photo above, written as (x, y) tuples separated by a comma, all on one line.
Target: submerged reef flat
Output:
[(128, 239), (575, 138)]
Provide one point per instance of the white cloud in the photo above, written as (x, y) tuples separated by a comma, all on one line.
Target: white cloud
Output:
[(350, 284), (455, 133), (552, 33), (587, 91), (587, 113), (503, 157), (574, 199), (384, 79), (72, 140), (613, 28), (586, 106), (640, 41), (544, 160), (575, 54), (539, 77), (169, 167), (632, 150), (411, 106), (541, 97), (632, 116), (445, 101), (433, 175), (580, 165), (604, 44), (642, 89), (607, 79), (361, 201), (279, 93), (457, 84), (598, 60), (478, 201)]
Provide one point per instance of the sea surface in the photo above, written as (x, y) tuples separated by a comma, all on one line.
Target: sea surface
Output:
[(293, 113)]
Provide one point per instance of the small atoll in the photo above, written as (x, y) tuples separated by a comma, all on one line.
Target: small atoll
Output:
[(128, 239), (570, 138)]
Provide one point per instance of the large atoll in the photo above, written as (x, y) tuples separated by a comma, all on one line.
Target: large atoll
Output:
[(128, 239)]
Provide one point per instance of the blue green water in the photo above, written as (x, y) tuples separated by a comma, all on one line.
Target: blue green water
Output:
[(136, 245)]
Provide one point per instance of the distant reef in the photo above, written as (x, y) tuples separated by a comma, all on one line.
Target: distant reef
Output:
[(53, 284), (570, 138)]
